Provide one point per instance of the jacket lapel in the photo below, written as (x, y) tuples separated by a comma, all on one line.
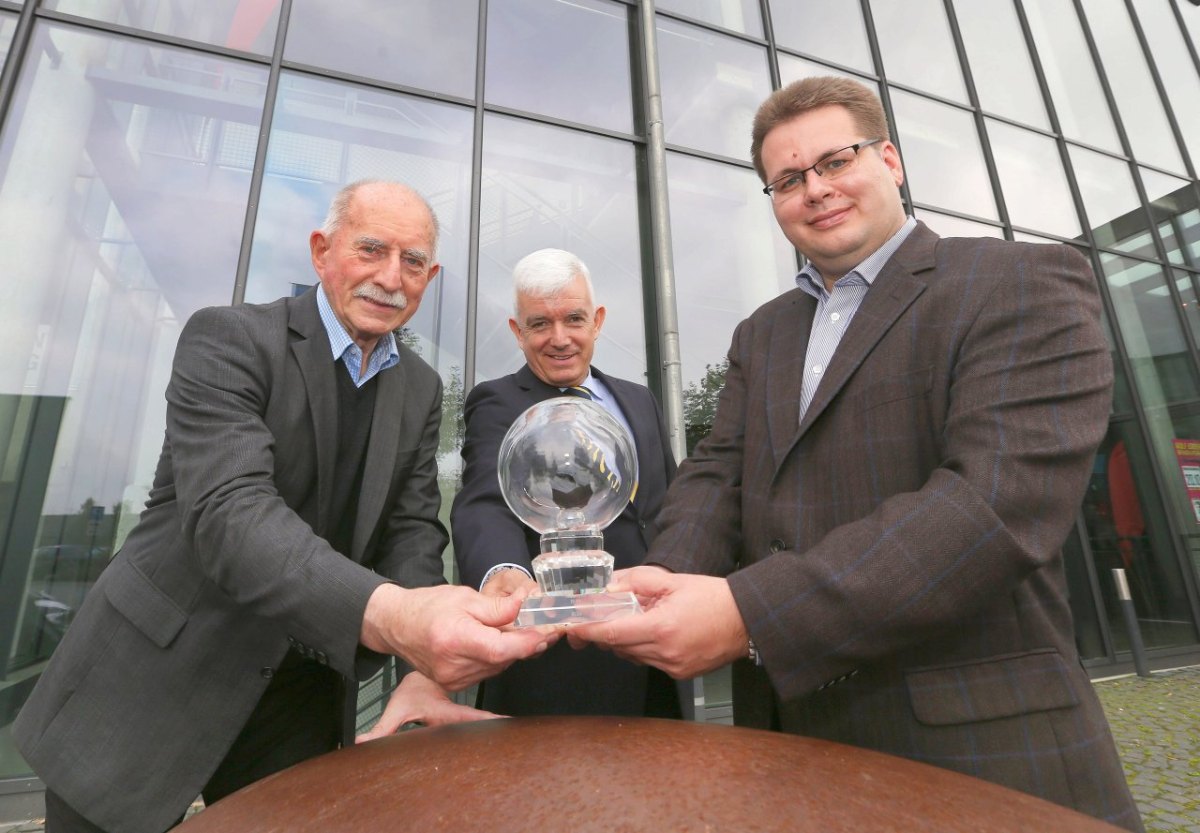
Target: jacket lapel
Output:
[(785, 369), (317, 367)]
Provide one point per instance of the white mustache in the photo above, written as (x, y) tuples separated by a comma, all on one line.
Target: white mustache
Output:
[(371, 292)]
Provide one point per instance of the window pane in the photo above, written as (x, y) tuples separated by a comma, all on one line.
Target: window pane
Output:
[(1111, 202), (8, 25), (326, 134), (738, 15), (552, 187), (1146, 314), (918, 51), (999, 58), (1137, 98), (1186, 283), (829, 29), (943, 162), (563, 58), (1190, 13), (237, 24), (1034, 183), (1173, 206), (720, 278), (792, 69), (949, 226), (1070, 74), (1175, 68), (711, 87), (123, 196), (429, 44)]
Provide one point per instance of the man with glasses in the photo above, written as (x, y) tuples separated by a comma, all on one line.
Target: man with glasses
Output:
[(899, 452), (556, 323)]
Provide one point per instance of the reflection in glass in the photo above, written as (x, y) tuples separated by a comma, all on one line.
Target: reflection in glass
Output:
[(236, 24), (948, 225), (428, 44), (918, 50), (1175, 68), (1150, 327), (1137, 98), (1173, 206), (8, 25), (1070, 74), (720, 278), (326, 134), (1111, 201), (739, 15), (1128, 529), (563, 58), (829, 29), (792, 69), (999, 59), (711, 86), (552, 187), (124, 191), (1186, 283), (1031, 175), (943, 162)]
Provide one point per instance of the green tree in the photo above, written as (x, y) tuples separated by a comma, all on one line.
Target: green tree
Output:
[(700, 403)]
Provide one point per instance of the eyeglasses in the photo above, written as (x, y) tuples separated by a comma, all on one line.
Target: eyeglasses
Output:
[(827, 167)]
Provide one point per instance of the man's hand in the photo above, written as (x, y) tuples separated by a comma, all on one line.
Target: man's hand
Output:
[(450, 634), (419, 699), (690, 624), (511, 582)]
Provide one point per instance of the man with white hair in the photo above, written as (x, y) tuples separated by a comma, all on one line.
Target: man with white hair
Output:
[(556, 323)]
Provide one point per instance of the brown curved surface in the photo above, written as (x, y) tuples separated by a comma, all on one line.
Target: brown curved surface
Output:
[(602, 774)]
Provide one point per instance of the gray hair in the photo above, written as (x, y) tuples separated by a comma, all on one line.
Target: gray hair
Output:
[(339, 206), (546, 273)]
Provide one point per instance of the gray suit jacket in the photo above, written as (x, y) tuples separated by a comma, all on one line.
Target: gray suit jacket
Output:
[(908, 529), (176, 642)]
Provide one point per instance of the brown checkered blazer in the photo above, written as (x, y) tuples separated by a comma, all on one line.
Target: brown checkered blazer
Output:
[(896, 554)]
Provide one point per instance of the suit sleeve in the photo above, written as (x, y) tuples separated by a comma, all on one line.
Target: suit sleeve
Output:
[(484, 529), (699, 526), (246, 539)]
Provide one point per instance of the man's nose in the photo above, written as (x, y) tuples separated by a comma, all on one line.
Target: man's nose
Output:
[(559, 333), (816, 188)]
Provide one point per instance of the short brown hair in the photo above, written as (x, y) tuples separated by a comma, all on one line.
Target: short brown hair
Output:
[(807, 94)]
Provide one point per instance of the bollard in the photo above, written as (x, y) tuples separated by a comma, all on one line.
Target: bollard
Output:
[(1131, 623)]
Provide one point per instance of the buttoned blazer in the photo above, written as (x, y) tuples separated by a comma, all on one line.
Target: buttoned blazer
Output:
[(907, 530), (227, 568), (486, 533)]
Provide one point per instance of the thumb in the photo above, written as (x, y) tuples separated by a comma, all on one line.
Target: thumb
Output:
[(387, 725), (497, 611)]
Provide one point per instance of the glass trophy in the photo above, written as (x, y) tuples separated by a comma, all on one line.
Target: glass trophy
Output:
[(567, 469)]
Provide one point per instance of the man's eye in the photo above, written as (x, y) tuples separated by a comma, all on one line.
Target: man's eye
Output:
[(539, 326), (791, 182), (835, 164)]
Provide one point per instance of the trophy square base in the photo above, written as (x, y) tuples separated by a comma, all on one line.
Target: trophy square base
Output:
[(577, 609)]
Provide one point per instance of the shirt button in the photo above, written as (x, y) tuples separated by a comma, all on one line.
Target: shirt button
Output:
[(835, 316), (817, 369)]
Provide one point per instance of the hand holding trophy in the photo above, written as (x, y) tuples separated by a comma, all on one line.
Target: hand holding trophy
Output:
[(567, 468)]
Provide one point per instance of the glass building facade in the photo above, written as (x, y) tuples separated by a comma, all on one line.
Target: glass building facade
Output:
[(157, 156)]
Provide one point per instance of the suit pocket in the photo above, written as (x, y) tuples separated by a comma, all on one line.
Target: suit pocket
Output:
[(990, 689), (147, 608)]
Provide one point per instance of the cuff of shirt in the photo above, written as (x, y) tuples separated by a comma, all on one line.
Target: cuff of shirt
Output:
[(498, 568)]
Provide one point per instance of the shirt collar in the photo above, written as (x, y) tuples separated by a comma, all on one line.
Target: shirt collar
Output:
[(809, 278), (385, 353)]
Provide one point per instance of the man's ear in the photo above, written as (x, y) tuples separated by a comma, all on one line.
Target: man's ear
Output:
[(318, 246)]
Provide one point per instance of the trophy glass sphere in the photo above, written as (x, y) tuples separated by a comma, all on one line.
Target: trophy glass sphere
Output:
[(567, 469)]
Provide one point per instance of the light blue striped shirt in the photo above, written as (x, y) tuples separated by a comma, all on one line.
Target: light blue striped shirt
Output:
[(835, 309), (384, 355)]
